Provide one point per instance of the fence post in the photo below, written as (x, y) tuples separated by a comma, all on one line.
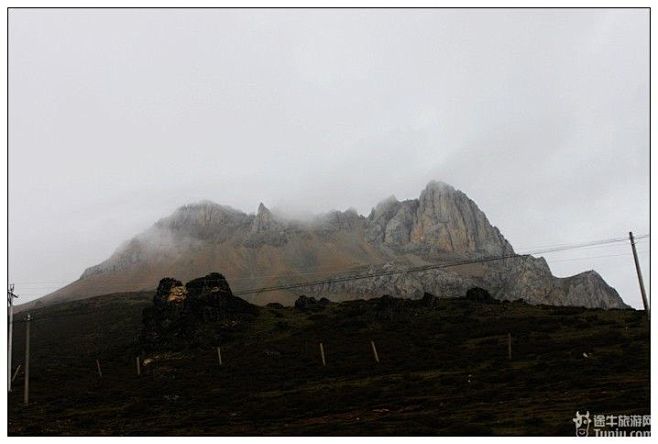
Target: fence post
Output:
[(13, 378), (139, 367), (509, 346), (219, 355), (374, 351), (324, 362), (98, 366)]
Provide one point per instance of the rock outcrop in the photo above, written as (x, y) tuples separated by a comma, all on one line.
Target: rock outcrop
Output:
[(448, 221), (478, 294), (266, 230), (443, 220), (305, 303), (202, 310)]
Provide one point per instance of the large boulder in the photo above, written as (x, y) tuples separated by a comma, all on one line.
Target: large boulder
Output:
[(429, 300), (203, 311), (305, 303), (388, 307), (478, 294)]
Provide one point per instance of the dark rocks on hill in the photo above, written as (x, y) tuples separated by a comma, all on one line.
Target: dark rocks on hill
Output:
[(203, 311), (388, 307), (429, 300), (210, 298), (305, 303), (274, 305), (478, 294)]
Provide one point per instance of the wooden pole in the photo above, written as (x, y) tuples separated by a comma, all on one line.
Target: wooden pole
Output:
[(13, 378), (11, 297), (139, 367), (374, 351), (26, 393), (219, 355), (509, 346), (639, 275), (98, 366), (324, 362)]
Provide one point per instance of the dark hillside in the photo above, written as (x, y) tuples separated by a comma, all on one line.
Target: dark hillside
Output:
[(443, 370)]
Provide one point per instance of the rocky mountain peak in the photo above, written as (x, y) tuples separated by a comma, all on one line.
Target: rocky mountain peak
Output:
[(264, 220), (204, 220), (441, 220), (262, 210), (203, 213), (436, 186), (449, 221), (347, 220)]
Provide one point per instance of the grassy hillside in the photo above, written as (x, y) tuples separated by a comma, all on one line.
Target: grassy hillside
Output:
[(443, 371)]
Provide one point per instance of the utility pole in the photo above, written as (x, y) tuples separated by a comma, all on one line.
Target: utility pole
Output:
[(26, 394), (639, 275), (10, 302)]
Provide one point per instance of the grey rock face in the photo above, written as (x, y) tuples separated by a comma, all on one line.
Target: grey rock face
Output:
[(264, 221), (442, 283), (340, 220), (128, 255), (448, 221), (206, 221), (442, 220), (265, 230), (530, 279), (590, 290)]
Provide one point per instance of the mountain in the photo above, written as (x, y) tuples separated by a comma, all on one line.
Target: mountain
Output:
[(442, 226)]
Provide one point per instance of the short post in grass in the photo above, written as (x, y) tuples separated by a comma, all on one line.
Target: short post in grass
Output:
[(219, 355), (139, 367), (13, 378), (509, 346), (324, 361), (374, 351), (98, 366)]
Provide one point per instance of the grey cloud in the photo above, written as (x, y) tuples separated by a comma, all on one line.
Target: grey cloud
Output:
[(118, 117)]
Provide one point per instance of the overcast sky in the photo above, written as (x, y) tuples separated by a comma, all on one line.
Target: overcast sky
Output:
[(118, 117)]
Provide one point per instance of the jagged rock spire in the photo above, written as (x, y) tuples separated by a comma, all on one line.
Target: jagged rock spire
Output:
[(264, 220)]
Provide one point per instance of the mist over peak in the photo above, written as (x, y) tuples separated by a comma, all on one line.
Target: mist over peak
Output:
[(442, 224)]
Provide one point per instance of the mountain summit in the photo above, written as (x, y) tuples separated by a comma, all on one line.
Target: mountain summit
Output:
[(253, 250), (442, 220)]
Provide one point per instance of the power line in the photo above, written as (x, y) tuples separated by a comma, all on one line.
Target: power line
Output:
[(372, 275), (582, 245), (344, 279), (593, 257), (562, 247), (527, 251), (419, 269)]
